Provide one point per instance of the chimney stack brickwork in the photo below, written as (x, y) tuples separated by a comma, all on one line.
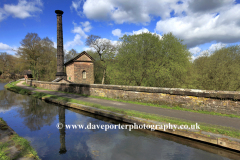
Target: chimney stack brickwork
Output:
[(60, 56)]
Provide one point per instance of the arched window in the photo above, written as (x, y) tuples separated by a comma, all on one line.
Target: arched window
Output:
[(84, 74)]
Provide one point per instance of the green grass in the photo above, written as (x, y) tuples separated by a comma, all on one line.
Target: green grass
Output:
[(4, 151), (20, 143), (149, 104), (2, 121), (12, 86), (3, 124), (25, 147)]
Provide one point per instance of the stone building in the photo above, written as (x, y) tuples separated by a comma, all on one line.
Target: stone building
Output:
[(27, 74), (80, 69)]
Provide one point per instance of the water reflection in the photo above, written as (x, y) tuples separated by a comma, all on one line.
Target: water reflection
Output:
[(34, 112), (63, 149), (7, 99), (36, 120), (37, 113)]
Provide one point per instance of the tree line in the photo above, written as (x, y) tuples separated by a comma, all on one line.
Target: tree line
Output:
[(137, 60), (35, 54), (148, 60)]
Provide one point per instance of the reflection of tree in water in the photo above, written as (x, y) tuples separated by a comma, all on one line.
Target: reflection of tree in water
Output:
[(62, 131), (37, 113), (9, 99)]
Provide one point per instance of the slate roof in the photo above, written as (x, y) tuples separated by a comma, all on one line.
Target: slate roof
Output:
[(59, 79), (79, 55), (27, 72)]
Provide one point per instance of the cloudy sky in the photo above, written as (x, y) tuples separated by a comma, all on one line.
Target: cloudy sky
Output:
[(202, 24)]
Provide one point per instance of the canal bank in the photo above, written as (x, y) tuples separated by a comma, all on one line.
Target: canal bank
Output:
[(13, 146), (216, 139)]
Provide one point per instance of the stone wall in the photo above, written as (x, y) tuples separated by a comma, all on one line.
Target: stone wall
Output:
[(70, 72), (218, 101), (79, 67)]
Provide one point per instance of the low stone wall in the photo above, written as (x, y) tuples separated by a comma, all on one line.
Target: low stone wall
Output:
[(208, 100)]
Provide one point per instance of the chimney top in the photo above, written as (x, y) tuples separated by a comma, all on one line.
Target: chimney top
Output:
[(59, 12)]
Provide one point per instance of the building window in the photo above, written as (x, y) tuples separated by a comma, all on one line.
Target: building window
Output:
[(69, 78), (84, 74)]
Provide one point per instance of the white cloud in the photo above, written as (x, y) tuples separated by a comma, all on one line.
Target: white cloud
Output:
[(133, 11), (88, 49), (195, 50), (216, 46), (143, 30), (117, 32), (3, 14), (76, 41), (206, 6), (9, 49), (87, 26), (76, 6), (79, 30), (97, 9), (195, 21), (80, 34), (54, 44), (197, 29), (5, 47), (104, 41), (23, 9)]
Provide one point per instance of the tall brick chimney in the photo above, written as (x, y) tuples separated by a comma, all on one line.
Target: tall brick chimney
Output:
[(60, 56)]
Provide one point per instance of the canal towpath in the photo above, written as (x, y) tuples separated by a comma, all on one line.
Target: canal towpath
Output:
[(184, 115)]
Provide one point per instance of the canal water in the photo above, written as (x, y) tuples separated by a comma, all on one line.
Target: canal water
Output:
[(36, 121)]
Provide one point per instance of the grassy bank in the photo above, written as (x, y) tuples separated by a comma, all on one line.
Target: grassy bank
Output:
[(12, 86), (148, 104), (228, 131), (22, 145)]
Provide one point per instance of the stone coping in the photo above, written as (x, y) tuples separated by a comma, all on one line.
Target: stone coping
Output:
[(231, 95)]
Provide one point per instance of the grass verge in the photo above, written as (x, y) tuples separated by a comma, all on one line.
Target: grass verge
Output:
[(25, 147), (4, 151), (20, 143), (148, 104), (12, 86)]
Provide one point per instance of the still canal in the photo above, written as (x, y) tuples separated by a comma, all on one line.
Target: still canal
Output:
[(36, 121)]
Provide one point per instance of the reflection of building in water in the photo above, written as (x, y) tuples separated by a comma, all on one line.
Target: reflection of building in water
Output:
[(62, 131)]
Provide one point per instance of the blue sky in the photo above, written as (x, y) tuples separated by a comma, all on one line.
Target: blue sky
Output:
[(202, 24)]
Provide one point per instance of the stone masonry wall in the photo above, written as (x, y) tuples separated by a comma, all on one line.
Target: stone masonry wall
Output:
[(79, 67), (218, 101), (70, 72)]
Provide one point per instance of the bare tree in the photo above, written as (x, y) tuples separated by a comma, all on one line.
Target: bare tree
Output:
[(103, 47), (71, 54)]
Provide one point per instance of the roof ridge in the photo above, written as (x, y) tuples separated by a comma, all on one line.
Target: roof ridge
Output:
[(79, 55)]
